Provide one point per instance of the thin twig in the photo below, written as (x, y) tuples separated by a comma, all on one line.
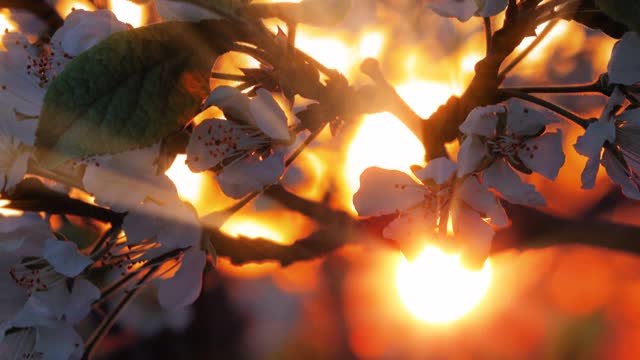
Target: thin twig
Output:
[(569, 89), (106, 324), (487, 32), (551, 106), (528, 50)]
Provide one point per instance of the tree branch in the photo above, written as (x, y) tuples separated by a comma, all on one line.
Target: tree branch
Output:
[(32, 195)]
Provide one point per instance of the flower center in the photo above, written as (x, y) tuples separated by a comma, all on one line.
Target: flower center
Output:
[(35, 274)]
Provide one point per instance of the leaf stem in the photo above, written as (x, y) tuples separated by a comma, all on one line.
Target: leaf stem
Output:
[(551, 106), (528, 50)]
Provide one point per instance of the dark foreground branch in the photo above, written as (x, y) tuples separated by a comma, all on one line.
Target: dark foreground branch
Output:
[(530, 229), (32, 195), (242, 250)]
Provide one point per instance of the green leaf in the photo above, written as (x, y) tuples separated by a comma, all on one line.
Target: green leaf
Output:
[(127, 92), (626, 12)]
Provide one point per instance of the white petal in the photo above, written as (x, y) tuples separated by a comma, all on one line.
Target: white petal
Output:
[(624, 67), (183, 11), (492, 7), (84, 29), (412, 230), (58, 342), (438, 170), (523, 120), (174, 224), (233, 103), (83, 294), (269, 116), (463, 10), (18, 343), (12, 297), (612, 107), (28, 228), (17, 170), (124, 180), (476, 234), (508, 183), (588, 176), (590, 144), (619, 175), (472, 152), (482, 200), (385, 192), (251, 174), (213, 141), (65, 257), (544, 154), (482, 120), (184, 287)]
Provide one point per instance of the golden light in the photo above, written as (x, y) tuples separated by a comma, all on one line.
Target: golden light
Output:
[(436, 288), (383, 141), (329, 51), (8, 212), (65, 7), (189, 184), (127, 12), (371, 44), (6, 24)]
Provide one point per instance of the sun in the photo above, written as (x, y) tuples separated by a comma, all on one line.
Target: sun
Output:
[(436, 288)]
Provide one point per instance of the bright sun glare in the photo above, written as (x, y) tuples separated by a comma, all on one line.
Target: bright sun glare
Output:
[(436, 288)]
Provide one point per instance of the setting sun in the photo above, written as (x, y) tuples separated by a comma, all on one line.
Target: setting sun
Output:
[(437, 289)]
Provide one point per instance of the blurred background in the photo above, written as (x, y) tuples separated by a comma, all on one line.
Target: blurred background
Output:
[(365, 301)]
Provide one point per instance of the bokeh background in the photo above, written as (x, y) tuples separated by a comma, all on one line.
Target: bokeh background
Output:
[(365, 301)]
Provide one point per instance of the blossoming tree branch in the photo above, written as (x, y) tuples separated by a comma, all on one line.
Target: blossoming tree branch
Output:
[(102, 109)]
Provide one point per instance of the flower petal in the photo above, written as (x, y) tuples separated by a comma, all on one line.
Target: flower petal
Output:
[(269, 116), (472, 153), (83, 294), (84, 29), (184, 287), (544, 154), (65, 257), (624, 67), (17, 171), (463, 10), (412, 230), (385, 191), (124, 180), (475, 233), (508, 183), (482, 120), (439, 170), (233, 103), (57, 342), (482, 200), (250, 174), (523, 120), (213, 141), (589, 173), (590, 144), (620, 176)]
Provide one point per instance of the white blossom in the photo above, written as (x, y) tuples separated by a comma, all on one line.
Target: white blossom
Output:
[(613, 141), (500, 139), (247, 149), (424, 207), (123, 181), (463, 10), (624, 68), (34, 295), (154, 229)]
